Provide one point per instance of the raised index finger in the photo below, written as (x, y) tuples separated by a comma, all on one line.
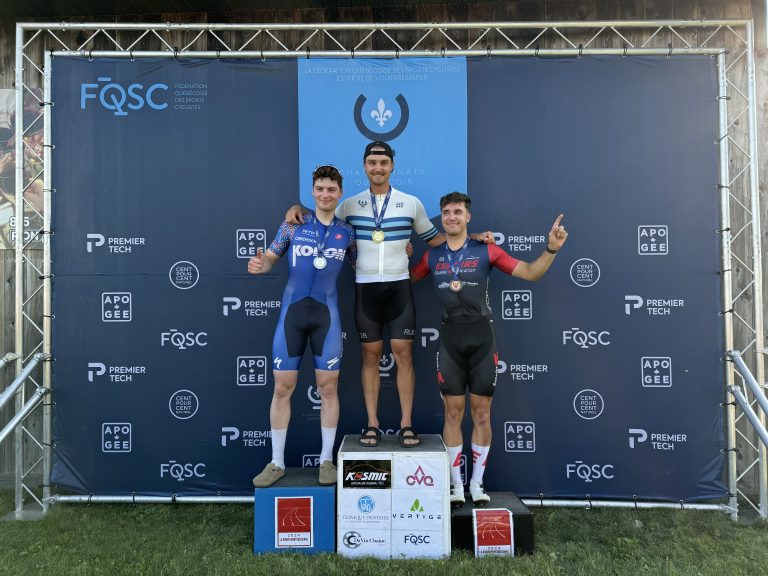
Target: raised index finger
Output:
[(557, 221)]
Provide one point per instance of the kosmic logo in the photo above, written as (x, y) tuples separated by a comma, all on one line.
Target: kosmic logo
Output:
[(183, 404), (519, 436), (589, 472), (116, 437), (250, 438), (516, 304), (658, 441), (115, 306), (656, 371), (251, 308), (120, 99), (588, 404), (586, 338), (521, 371), (251, 370), (428, 335), (518, 243), (115, 244), (653, 240), (248, 240), (184, 275), (181, 472), (585, 272), (653, 306), (114, 373), (183, 340)]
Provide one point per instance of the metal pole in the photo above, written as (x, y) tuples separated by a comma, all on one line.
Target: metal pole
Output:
[(757, 266), (10, 357), (47, 305), (18, 382), (727, 277), (19, 264), (750, 414), (37, 397), (750, 380)]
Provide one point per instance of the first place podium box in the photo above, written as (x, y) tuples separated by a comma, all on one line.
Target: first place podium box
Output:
[(393, 502), (295, 514)]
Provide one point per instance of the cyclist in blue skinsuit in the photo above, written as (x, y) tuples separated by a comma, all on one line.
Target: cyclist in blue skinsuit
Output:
[(309, 312)]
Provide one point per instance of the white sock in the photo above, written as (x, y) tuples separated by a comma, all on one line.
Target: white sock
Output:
[(454, 459), (278, 447), (329, 437), (479, 460)]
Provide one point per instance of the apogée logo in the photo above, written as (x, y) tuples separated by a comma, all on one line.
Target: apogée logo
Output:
[(519, 436), (516, 304), (248, 240), (116, 437), (115, 306)]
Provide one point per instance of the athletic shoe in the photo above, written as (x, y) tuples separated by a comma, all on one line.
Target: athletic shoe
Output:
[(479, 496), (457, 495), (327, 473), (269, 476)]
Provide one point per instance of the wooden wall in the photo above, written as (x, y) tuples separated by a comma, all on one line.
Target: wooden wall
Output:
[(520, 10)]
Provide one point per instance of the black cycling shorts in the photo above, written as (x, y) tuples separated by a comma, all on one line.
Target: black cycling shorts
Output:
[(467, 358), (385, 303)]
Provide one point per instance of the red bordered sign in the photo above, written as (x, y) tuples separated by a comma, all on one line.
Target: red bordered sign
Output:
[(494, 532), (294, 525)]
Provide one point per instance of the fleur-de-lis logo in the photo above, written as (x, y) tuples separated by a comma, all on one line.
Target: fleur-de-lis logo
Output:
[(381, 114)]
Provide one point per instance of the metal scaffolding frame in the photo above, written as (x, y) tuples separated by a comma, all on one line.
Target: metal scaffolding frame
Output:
[(731, 42)]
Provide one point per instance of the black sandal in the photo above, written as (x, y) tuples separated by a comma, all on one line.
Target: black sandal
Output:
[(370, 441), (413, 437)]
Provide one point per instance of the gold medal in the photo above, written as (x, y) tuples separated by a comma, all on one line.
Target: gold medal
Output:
[(377, 236), (456, 285)]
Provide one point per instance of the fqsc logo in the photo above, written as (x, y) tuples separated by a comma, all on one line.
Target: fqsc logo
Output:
[(119, 99)]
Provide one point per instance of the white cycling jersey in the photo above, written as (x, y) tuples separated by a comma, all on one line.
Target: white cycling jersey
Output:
[(385, 261)]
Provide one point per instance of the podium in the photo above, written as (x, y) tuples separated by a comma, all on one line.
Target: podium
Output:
[(522, 522), (393, 502), (295, 514)]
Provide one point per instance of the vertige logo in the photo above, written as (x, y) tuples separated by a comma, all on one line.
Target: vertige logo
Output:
[(248, 240), (119, 99), (519, 436), (516, 305), (184, 275), (585, 272), (588, 472), (116, 373), (181, 472), (251, 370), (183, 404), (654, 306), (115, 306), (116, 437), (656, 371), (251, 308), (183, 340), (659, 441), (428, 335), (250, 438), (652, 240), (115, 244), (588, 404), (586, 339), (419, 478)]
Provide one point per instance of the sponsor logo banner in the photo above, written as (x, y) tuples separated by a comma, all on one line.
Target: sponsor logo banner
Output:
[(519, 436), (420, 473), (364, 509), (418, 509), (413, 543), (356, 543)]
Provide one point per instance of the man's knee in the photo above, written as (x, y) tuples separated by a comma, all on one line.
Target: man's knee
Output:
[(327, 388), (372, 354), (454, 414), (403, 351), (481, 416)]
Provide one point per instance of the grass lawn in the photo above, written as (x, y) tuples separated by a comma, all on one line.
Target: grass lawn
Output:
[(206, 539)]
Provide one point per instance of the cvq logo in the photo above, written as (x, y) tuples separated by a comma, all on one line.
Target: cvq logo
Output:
[(116, 97)]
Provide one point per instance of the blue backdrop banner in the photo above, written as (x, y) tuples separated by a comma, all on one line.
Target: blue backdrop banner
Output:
[(171, 174)]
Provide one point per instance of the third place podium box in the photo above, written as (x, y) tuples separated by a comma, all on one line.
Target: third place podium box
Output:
[(393, 502)]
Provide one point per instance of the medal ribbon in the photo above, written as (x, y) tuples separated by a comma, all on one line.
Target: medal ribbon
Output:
[(459, 258), (321, 245), (377, 218)]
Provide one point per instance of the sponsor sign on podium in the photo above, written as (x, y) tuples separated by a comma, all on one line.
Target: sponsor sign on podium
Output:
[(393, 502)]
